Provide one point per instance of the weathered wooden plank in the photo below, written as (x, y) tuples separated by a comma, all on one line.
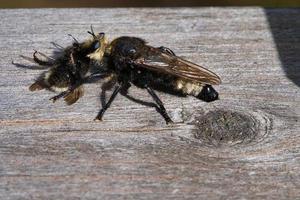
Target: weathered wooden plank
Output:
[(246, 145)]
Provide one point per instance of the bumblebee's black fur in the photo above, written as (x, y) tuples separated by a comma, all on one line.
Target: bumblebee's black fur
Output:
[(67, 71)]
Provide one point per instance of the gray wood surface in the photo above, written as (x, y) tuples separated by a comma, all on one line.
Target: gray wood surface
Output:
[(244, 146)]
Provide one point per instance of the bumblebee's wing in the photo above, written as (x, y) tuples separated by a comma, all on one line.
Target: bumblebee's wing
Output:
[(74, 95), (37, 85), (156, 60)]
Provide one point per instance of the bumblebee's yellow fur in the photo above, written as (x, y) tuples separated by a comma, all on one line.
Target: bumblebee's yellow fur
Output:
[(99, 53)]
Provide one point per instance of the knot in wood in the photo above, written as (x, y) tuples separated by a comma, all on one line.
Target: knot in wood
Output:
[(225, 128)]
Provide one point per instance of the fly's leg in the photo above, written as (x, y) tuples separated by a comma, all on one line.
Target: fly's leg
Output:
[(107, 105), (160, 104), (166, 50)]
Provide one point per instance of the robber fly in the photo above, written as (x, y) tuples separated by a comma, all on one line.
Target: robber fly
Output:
[(130, 61), (67, 72)]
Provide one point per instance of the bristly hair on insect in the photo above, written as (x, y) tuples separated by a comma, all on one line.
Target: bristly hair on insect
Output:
[(126, 61)]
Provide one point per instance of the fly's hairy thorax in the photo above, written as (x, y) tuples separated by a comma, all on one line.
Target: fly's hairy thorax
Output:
[(123, 50)]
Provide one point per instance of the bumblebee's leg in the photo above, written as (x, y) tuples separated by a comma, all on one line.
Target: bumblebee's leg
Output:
[(41, 62), (44, 55), (34, 67), (107, 105), (89, 79), (57, 45), (75, 40), (160, 105), (166, 50), (60, 95), (94, 77), (65, 93)]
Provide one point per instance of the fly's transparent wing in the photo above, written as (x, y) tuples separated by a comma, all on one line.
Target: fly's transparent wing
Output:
[(156, 60)]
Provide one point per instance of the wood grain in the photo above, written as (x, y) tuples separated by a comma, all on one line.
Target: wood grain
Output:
[(54, 151)]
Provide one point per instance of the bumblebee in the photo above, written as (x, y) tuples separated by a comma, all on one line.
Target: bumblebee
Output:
[(131, 61), (68, 70)]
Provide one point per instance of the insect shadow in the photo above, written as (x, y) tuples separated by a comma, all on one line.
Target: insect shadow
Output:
[(107, 86)]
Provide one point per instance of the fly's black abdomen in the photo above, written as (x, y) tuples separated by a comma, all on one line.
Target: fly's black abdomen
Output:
[(158, 81), (173, 85), (208, 94)]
